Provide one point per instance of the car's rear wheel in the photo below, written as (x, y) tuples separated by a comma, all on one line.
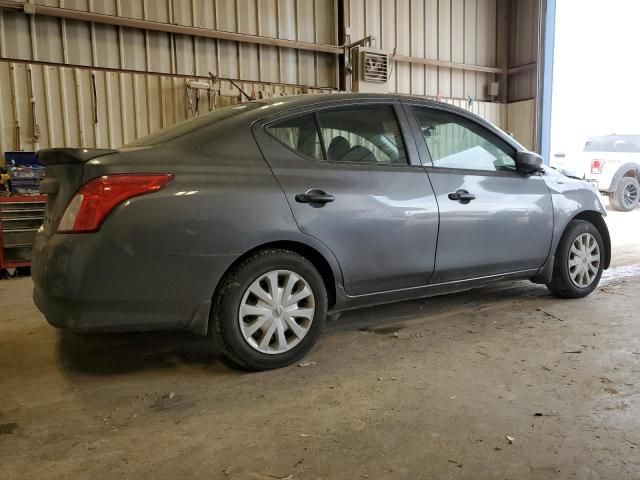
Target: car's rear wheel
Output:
[(626, 196), (579, 261), (269, 310)]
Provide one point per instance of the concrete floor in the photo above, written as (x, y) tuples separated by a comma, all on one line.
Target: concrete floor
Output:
[(503, 382)]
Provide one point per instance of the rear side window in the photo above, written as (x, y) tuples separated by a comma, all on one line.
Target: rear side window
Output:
[(362, 134), (299, 134)]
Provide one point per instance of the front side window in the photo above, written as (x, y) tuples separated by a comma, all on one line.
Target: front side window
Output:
[(299, 134), (457, 142), (362, 134)]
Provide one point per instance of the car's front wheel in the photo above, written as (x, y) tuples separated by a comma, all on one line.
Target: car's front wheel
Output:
[(626, 196), (269, 310), (579, 261)]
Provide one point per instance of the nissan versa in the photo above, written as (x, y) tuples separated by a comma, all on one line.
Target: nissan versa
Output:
[(257, 221)]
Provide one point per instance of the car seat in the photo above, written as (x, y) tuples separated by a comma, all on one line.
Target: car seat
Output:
[(338, 148), (360, 154)]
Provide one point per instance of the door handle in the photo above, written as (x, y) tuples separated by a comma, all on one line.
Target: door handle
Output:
[(462, 196), (317, 197)]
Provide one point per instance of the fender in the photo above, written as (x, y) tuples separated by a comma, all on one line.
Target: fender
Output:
[(200, 320), (620, 174)]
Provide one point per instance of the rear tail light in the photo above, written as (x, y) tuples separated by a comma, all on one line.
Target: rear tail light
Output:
[(596, 166), (97, 198)]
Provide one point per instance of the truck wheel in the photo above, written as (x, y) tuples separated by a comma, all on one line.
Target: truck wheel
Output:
[(269, 310), (579, 261), (625, 198)]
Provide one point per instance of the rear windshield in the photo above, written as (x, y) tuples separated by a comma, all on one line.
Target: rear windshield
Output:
[(614, 143), (192, 124)]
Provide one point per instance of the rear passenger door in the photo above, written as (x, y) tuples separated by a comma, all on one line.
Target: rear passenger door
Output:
[(493, 219), (353, 179)]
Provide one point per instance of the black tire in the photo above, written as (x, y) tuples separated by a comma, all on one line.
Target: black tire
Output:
[(226, 306), (626, 196), (561, 284)]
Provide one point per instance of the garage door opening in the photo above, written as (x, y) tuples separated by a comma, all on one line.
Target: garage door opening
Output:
[(595, 133)]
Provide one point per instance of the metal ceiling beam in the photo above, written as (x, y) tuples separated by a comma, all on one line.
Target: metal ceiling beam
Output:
[(445, 64), (66, 13)]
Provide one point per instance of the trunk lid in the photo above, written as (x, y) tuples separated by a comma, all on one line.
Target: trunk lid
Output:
[(63, 177)]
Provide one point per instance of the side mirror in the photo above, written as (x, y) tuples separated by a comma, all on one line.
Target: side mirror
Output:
[(528, 162)]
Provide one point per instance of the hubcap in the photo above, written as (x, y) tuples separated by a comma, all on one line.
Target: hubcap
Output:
[(276, 311), (630, 195), (584, 260)]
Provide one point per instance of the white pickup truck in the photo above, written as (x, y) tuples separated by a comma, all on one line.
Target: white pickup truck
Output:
[(612, 162)]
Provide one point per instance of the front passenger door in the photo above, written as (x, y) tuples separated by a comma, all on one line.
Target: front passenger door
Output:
[(493, 219)]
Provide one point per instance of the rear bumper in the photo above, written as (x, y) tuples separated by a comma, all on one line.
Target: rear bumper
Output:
[(86, 283)]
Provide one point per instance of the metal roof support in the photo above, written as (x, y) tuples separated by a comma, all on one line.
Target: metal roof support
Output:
[(545, 80)]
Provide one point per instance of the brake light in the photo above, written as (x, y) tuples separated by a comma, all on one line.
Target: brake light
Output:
[(596, 166), (97, 198)]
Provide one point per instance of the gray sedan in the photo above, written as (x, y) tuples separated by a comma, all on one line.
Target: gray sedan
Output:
[(258, 221)]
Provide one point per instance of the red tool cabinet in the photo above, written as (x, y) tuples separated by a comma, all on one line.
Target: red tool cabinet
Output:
[(20, 219)]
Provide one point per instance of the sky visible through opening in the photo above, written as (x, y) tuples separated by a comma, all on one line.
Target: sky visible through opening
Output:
[(596, 85)]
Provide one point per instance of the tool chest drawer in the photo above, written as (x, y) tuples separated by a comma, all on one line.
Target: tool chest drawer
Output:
[(20, 219)]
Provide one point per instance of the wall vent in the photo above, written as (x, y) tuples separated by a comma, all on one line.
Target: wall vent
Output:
[(375, 66), (370, 70)]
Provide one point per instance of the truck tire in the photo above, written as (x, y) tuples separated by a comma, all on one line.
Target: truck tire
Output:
[(626, 196)]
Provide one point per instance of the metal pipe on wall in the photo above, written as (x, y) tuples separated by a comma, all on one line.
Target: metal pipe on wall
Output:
[(14, 104), (35, 126)]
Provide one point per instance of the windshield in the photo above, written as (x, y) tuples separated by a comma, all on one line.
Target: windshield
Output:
[(614, 143), (192, 124)]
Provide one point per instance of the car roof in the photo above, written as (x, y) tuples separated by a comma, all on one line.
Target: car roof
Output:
[(614, 136), (295, 101)]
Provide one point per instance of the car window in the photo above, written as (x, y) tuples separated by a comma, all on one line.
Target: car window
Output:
[(299, 134), (362, 134), (614, 143), (457, 142), (329, 134)]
